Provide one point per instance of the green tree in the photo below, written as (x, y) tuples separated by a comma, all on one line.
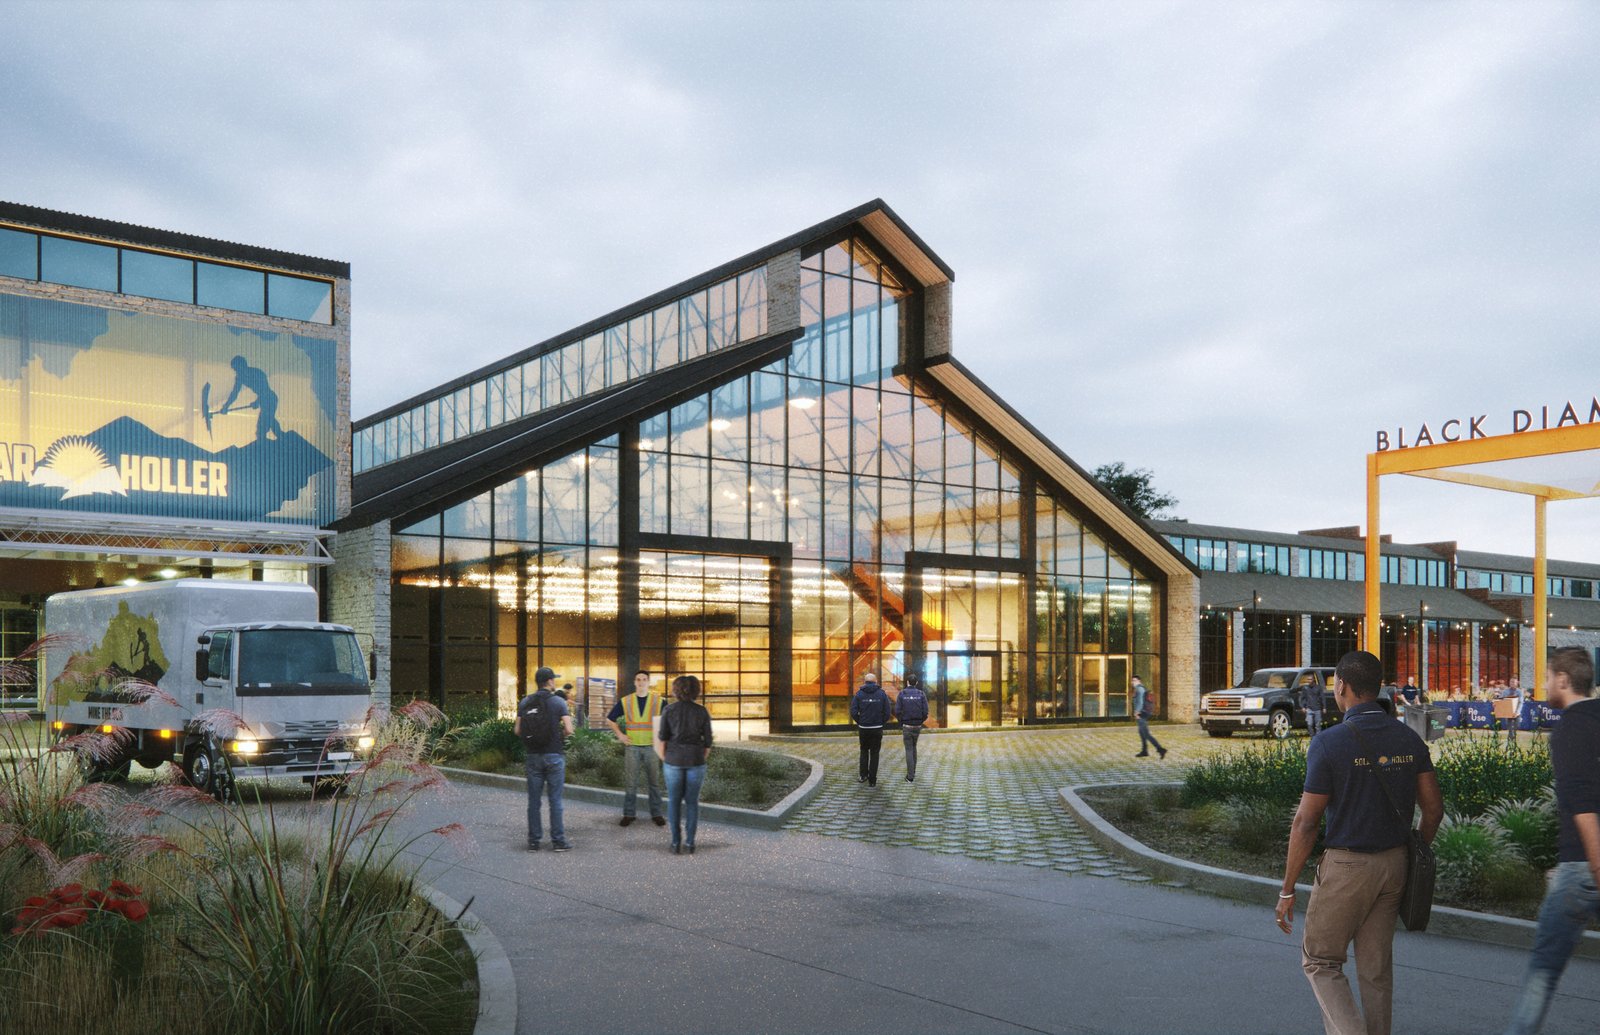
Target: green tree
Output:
[(1133, 488)]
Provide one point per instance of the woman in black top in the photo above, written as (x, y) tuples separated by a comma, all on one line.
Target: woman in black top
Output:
[(683, 741)]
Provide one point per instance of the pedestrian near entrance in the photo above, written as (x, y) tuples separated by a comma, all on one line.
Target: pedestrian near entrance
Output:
[(1363, 872), (1311, 701), (1573, 899), (1513, 692), (911, 709), (1144, 709), (870, 711), (683, 743), (544, 724), (633, 720)]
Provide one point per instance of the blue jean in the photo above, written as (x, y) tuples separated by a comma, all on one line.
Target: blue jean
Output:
[(1313, 721), (547, 775), (1570, 904), (1145, 738), (683, 799)]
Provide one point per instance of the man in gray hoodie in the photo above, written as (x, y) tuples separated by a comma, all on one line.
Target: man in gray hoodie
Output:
[(870, 710)]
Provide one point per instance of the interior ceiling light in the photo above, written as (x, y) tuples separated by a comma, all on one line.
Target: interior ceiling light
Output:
[(721, 425), (803, 403)]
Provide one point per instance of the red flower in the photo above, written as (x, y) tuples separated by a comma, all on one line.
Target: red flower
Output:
[(133, 909), (67, 918), (125, 890), (70, 894)]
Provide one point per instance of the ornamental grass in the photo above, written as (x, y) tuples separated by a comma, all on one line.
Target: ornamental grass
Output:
[(163, 910)]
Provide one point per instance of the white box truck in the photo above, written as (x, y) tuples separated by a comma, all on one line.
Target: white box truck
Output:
[(254, 650)]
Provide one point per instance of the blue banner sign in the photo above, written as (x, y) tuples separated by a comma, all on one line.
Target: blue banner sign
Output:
[(107, 411)]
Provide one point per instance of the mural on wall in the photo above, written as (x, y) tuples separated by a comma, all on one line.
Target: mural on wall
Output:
[(108, 411)]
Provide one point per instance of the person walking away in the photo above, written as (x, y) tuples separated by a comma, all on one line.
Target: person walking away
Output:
[(911, 709), (683, 744), (1572, 901), (870, 711), (633, 720), (1144, 709), (1513, 690), (1311, 701), (1362, 874), (544, 724)]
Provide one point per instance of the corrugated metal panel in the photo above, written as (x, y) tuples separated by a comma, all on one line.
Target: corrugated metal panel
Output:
[(122, 412)]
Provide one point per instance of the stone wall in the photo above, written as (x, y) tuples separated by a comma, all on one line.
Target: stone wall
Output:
[(783, 292), (358, 592), (1182, 631)]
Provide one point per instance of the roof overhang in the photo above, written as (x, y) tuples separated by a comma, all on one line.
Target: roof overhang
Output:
[(1060, 468)]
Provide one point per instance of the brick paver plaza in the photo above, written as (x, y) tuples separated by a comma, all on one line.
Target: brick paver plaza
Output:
[(991, 796)]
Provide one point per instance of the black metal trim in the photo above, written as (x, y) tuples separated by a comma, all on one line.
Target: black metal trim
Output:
[(966, 562), (715, 544), (434, 480), (130, 233), (704, 280)]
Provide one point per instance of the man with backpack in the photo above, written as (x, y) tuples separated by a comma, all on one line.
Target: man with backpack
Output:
[(911, 708), (544, 724), (870, 710), (1144, 709)]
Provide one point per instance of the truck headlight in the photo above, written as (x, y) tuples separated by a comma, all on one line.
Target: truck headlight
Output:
[(1253, 704), (364, 743), (245, 747)]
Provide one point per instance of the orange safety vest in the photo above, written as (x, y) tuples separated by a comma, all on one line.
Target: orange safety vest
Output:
[(640, 724)]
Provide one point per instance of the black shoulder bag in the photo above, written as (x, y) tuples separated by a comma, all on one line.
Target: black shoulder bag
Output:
[(1416, 899)]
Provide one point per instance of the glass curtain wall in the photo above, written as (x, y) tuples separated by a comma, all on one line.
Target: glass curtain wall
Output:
[(864, 477)]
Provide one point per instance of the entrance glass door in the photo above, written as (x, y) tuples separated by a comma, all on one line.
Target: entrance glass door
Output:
[(1102, 687), (970, 684)]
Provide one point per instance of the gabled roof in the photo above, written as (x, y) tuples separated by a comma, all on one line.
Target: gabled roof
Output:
[(1045, 455), (875, 217), (1334, 597)]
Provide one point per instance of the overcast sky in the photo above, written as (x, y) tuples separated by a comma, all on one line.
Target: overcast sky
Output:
[(1227, 242)]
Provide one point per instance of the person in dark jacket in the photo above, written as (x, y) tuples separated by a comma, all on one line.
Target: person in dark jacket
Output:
[(683, 742), (1572, 902), (911, 709), (870, 711), (1311, 701)]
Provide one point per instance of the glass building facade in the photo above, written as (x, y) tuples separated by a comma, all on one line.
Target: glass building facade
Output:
[(781, 534)]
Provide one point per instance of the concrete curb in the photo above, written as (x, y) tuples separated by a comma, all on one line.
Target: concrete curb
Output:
[(1446, 920), (497, 983), (770, 819)]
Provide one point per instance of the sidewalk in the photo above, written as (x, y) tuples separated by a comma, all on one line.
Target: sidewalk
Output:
[(795, 932)]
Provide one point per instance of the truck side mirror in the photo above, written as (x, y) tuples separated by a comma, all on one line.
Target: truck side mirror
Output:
[(201, 668), (372, 665)]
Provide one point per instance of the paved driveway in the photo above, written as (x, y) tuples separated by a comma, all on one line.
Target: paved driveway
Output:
[(990, 796)]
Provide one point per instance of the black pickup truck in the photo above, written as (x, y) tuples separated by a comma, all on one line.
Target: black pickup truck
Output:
[(1269, 702)]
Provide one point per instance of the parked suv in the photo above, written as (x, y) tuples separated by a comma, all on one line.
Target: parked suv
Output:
[(1269, 701)]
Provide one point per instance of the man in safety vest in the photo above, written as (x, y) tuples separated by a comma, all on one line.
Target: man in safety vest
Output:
[(634, 719)]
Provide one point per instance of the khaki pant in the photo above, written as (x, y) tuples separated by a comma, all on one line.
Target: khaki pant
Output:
[(1356, 897)]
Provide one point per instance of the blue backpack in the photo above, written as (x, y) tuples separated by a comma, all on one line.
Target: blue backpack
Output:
[(912, 706)]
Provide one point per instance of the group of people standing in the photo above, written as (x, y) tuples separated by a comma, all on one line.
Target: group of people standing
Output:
[(1367, 777), (659, 738)]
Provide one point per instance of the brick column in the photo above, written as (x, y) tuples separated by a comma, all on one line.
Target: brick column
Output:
[(1183, 648), (358, 593), (1305, 641), (1238, 648)]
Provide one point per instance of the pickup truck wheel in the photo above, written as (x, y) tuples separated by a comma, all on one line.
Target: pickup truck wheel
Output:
[(1279, 724), (1219, 733)]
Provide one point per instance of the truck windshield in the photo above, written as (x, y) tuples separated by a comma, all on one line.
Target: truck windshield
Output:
[(1271, 680), (315, 657)]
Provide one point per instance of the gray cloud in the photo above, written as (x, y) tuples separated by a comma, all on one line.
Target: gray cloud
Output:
[(1236, 240)]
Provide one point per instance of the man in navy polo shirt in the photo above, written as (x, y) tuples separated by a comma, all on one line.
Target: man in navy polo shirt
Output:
[(1362, 873), (1573, 899)]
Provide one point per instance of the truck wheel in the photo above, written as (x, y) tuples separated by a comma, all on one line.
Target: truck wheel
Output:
[(207, 771), (1219, 733), (95, 772), (1279, 724)]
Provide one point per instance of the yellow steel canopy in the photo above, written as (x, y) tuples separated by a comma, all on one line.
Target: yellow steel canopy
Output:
[(1548, 464)]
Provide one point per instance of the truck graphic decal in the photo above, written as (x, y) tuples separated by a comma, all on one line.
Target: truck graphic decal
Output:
[(131, 648)]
